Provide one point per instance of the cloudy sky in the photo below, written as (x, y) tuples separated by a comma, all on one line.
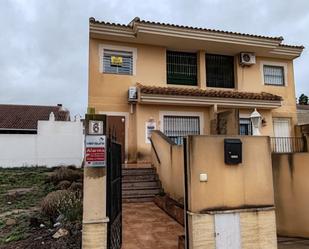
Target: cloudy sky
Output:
[(44, 43)]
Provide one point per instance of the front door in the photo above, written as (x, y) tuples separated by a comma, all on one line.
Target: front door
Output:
[(116, 127)]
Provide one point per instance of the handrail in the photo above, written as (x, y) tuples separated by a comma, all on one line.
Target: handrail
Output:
[(166, 138), (155, 151)]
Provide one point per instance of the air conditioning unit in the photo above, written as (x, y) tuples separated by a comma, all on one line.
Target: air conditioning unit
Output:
[(247, 59), (132, 94)]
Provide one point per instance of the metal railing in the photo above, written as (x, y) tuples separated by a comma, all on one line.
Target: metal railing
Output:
[(177, 139), (288, 144)]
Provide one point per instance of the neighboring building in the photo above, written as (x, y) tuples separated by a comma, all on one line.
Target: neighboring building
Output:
[(23, 119), (189, 81), (39, 136), (303, 114)]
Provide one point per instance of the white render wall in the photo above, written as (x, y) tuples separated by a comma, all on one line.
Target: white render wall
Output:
[(56, 143)]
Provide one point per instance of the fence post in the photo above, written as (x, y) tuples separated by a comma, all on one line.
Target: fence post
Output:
[(94, 211)]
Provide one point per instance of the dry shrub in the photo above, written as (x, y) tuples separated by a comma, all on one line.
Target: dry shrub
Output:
[(64, 173), (71, 167), (76, 186), (63, 202), (63, 185)]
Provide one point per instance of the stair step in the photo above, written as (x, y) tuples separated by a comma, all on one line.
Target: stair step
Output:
[(139, 184), (136, 165), (142, 171), (139, 178), (140, 192), (146, 188), (135, 200)]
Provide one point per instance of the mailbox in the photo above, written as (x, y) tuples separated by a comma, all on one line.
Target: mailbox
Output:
[(232, 151)]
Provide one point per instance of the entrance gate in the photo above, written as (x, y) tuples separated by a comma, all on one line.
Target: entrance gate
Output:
[(114, 195)]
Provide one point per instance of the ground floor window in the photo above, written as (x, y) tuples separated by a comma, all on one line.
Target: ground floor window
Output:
[(245, 126), (177, 127)]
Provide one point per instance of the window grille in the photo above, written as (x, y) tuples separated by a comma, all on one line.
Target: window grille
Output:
[(245, 126), (124, 63), (220, 71), (177, 127), (273, 75), (181, 68)]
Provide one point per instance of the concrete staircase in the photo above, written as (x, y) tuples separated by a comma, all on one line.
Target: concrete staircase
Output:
[(139, 184)]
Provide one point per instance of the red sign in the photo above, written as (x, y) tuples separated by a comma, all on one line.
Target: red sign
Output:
[(95, 151), (95, 154)]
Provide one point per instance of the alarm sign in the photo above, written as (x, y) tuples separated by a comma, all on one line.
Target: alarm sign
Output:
[(95, 127)]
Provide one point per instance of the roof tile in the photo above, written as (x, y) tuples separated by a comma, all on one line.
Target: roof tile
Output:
[(27, 116), (179, 91)]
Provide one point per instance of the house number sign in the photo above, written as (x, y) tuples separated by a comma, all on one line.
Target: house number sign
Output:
[(95, 127)]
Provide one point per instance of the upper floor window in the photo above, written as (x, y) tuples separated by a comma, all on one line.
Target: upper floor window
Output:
[(220, 71), (245, 127), (117, 62), (273, 75), (181, 68)]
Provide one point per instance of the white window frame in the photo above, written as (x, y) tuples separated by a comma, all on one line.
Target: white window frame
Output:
[(176, 113), (116, 48), (276, 64)]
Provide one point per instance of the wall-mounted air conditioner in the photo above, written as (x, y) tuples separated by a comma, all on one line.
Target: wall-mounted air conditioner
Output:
[(132, 94), (247, 59)]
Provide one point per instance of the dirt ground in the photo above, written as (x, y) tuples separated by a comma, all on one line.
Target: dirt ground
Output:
[(22, 226)]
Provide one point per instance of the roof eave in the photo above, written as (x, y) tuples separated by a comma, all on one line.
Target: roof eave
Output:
[(207, 101)]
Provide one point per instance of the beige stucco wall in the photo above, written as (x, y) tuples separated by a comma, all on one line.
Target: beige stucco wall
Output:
[(108, 92), (291, 186), (171, 167), (257, 230), (229, 186)]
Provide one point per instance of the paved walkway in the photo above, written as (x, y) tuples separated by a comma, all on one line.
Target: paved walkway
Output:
[(146, 226)]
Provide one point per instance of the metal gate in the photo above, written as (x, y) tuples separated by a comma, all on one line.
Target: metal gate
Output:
[(114, 195)]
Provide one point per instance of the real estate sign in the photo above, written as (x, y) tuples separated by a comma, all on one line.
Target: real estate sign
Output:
[(95, 151)]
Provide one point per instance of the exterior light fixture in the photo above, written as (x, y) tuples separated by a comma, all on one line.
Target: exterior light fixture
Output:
[(256, 120)]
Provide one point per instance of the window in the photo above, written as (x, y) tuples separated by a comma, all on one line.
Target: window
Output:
[(181, 68), (245, 127), (273, 75), (220, 71), (117, 62), (177, 127)]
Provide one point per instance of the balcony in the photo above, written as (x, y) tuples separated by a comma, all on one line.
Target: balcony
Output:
[(288, 144)]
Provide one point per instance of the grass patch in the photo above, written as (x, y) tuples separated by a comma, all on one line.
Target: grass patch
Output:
[(17, 232), (23, 178)]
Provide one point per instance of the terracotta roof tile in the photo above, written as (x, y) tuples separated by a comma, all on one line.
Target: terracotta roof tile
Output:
[(179, 91), (292, 46), (27, 116), (138, 20)]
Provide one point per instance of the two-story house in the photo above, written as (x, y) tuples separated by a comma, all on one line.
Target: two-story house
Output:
[(186, 80)]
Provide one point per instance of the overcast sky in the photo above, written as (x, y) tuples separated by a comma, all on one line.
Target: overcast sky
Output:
[(44, 43)]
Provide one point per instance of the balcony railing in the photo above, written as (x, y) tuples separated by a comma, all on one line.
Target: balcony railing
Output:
[(288, 144)]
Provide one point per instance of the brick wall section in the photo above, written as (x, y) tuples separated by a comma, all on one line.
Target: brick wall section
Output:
[(94, 236), (258, 230)]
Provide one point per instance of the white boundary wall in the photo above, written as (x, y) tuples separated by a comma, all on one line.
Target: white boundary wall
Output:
[(56, 143)]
